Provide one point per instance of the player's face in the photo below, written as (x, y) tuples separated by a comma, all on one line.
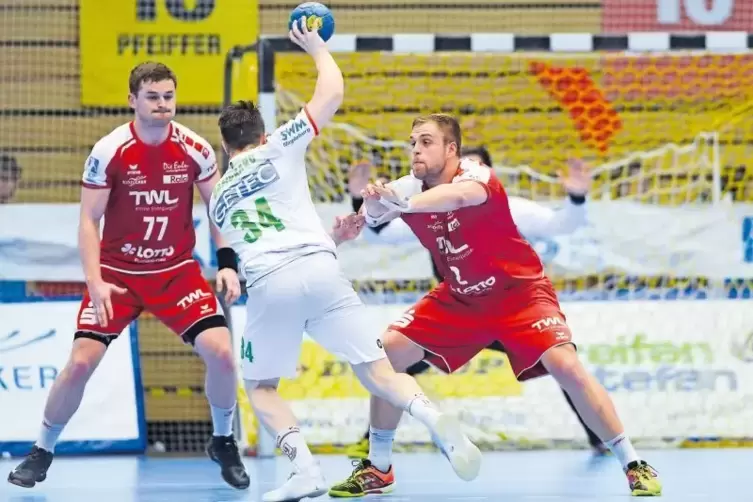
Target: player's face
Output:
[(155, 102), (430, 150)]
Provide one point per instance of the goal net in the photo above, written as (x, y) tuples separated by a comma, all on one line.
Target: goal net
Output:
[(668, 139)]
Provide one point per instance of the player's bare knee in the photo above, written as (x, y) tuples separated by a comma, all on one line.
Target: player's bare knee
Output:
[(401, 352), (374, 375), (80, 366), (563, 364), (215, 348), (84, 359)]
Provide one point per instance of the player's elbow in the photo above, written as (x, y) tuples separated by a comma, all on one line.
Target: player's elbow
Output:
[(324, 105), (88, 221)]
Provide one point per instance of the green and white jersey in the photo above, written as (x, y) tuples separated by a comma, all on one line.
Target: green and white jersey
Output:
[(263, 205)]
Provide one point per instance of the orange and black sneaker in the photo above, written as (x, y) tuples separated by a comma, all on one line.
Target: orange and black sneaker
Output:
[(365, 480), (643, 479)]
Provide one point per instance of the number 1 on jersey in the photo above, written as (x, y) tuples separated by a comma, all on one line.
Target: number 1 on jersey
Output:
[(150, 220), (253, 229)]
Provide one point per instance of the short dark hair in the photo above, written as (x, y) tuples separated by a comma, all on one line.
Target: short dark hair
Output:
[(481, 151), (10, 169), (149, 71), (241, 125), (447, 123)]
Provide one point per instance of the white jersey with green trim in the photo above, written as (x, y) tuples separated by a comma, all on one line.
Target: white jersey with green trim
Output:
[(263, 207)]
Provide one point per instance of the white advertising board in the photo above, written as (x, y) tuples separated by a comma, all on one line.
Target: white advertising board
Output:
[(35, 343), (638, 239), (676, 370)]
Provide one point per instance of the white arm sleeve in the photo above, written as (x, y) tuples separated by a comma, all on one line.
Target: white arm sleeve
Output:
[(536, 220), (405, 187), (374, 221), (396, 232)]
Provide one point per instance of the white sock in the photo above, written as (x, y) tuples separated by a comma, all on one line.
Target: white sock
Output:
[(222, 420), (293, 445), (48, 435), (380, 448), (623, 450), (424, 411)]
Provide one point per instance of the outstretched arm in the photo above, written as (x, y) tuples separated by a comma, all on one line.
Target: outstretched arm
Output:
[(448, 197), (535, 220), (440, 199)]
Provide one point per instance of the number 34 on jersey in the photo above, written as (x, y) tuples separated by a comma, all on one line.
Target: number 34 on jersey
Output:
[(253, 225)]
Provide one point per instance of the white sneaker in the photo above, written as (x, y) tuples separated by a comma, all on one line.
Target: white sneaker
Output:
[(463, 455), (310, 483)]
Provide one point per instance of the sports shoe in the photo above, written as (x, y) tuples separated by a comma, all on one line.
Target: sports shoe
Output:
[(464, 456), (358, 450), (365, 480), (33, 469), (224, 451), (309, 483), (643, 479)]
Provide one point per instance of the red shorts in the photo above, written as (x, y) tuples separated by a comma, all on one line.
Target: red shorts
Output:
[(527, 321), (179, 297)]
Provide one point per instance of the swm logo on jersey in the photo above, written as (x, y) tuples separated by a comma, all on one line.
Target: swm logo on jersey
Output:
[(295, 130), (245, 177)]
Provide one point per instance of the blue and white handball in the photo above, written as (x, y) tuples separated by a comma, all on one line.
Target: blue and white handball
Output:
[(318, 17)]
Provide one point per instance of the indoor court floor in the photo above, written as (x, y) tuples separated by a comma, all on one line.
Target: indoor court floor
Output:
[(553, 476)]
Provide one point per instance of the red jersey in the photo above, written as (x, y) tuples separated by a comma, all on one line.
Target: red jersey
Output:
[(477, 249), (149, 217)]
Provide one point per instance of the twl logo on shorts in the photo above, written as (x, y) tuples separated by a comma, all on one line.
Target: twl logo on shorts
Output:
[(192, 298), (547, 322)]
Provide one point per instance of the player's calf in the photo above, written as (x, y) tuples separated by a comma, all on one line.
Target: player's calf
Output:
[(598, 412), (211, 340), (62, 402), (399, 392), (277, 417)]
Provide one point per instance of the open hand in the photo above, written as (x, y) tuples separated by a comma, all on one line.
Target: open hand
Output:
[(385, 195), (577, 180), (347, 228), (227, 279), (100, 293)]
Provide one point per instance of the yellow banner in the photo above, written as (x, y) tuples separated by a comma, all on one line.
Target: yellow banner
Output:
[(190, 36)]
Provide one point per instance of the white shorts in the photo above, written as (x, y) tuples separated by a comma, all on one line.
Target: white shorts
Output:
[(310, 294)]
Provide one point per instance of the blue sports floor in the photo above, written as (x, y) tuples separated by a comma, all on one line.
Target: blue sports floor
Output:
[(547, 476)]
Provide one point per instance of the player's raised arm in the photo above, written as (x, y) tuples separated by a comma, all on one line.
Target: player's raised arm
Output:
[(330, 86), (536, 220)]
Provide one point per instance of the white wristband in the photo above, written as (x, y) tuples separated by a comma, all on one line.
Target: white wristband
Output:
[(402, 205)]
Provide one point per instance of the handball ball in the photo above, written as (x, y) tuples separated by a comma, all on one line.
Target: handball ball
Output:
[(318, 17)]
